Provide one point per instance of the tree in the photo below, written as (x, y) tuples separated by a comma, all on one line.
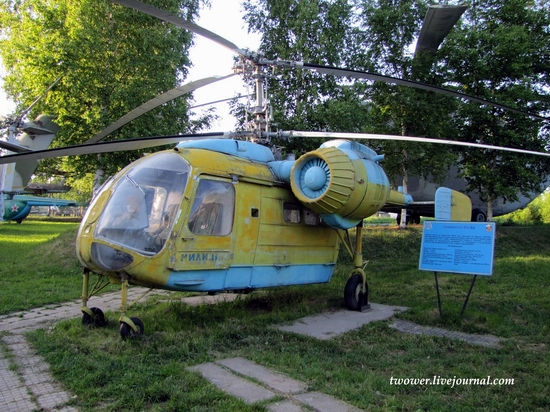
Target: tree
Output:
[(320, 32), (501, 52), (389, 28), (362, 35), (110, 60)]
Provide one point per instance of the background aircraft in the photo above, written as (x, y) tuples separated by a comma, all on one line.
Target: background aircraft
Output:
[(438, 22), (16, 194), (423, 191)]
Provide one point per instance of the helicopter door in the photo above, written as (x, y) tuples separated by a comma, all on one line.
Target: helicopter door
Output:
[(206, 240)]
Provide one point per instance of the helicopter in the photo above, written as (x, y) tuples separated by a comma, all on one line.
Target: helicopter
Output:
[(16, 194), (222, 211)]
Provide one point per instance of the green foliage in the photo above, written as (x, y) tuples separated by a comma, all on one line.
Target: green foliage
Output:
[(317, 32), (389, 32), (110, 60), (536, 212), (500, 52)]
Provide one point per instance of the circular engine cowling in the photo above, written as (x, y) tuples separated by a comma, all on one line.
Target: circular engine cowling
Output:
[(338, 181)]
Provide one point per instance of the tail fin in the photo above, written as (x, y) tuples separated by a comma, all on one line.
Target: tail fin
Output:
[(452, 205), (37, 135)]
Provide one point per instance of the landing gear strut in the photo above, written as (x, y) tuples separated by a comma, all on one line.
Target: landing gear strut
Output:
[(129, 327), (91, 316), (356, 291)]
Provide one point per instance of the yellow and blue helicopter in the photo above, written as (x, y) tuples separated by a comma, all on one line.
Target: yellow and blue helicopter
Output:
[(222, 212)]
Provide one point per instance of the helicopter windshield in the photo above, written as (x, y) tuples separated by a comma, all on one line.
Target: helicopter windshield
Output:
[(145, 202)]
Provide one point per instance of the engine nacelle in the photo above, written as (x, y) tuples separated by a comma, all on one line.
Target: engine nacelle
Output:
[(342, 182)]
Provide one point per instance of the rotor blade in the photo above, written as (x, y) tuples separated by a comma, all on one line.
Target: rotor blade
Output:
[(13, 147), (357, 74), (111, 146), (240, 96), (329, 135), (155, 102), (180, 22), (439, 21)]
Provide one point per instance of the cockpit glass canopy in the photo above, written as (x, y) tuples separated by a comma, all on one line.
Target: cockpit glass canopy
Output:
[(144, 204)]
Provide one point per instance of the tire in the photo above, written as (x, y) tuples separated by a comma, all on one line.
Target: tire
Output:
[(126, 330), (352, 290), (479, 215), (97, 320)]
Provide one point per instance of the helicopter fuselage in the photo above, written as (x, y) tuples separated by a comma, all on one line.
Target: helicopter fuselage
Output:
[(193, 219)]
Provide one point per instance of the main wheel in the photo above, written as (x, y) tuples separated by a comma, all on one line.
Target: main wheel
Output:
[(97, 320), (352, 290), (479, 215), (126, 330)]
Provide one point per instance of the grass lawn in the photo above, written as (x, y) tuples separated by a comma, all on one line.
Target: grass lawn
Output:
[(148, 373), (39, 265)]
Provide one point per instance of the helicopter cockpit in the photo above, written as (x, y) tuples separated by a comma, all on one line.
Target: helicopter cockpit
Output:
[(143, 207)]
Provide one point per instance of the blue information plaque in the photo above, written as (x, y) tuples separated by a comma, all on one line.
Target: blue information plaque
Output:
[(458, 247)]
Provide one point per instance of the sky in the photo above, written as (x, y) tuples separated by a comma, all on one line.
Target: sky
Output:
[(225, 19)]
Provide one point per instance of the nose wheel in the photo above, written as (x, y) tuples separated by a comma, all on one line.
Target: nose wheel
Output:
[(130, 327), (93, 317)]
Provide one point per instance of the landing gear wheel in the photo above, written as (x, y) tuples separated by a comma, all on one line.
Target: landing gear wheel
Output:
[(479, 215), (352, 292), (126, 330), (98, 318)]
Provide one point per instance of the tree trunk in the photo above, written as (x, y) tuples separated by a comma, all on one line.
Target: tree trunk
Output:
[(403, 222), (490, 209)]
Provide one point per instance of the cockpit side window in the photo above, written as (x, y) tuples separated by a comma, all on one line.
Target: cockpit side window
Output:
[(213, 208)]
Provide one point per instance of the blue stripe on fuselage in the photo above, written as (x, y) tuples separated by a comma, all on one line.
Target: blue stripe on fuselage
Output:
[(249, 277)]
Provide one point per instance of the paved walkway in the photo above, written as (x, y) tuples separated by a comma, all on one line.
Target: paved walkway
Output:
[(32, 387), (489, 341), (253, 383), (29, 386), (328, 325)]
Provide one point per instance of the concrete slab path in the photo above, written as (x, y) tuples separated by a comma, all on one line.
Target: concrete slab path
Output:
[(489, 341), (235, 376), (330, 324)]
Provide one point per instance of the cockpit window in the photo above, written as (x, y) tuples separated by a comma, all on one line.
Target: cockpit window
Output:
[(145, 202), (212, 211)]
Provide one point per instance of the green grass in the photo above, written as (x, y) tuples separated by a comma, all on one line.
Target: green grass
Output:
[(108, 374), (39, 266)]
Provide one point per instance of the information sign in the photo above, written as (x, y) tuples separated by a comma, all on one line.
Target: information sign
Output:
[(458, 247)]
